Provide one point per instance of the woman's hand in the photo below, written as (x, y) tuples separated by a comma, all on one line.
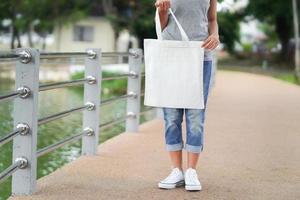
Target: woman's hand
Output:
[(162, 5), (211, 42)]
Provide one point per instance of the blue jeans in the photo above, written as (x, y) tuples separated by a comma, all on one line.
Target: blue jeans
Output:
[(194, 121)]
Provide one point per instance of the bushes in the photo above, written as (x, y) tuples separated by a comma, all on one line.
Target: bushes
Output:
[(109, 88)]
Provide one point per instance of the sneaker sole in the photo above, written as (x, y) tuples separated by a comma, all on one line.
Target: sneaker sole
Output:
[(170, 186), (193, 187)]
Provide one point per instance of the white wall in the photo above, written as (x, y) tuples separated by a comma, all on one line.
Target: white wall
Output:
[(104, 36)]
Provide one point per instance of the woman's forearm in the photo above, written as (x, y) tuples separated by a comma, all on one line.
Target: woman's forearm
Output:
[(164, 17), (212, 19), (212, 40), (213, 28)]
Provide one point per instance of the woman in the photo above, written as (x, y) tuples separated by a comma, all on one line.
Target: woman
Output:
[(199, 19)]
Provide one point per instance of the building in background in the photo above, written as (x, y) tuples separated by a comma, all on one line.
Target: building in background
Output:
[(91, 32)]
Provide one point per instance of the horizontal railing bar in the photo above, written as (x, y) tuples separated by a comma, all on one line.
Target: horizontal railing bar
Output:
[(60, 115), (9, 171), (10, 136), (145, 111), (107, 101), (113, 54), (61, 143), (62, 61), (10, 95), (9, 55), (50, 86), (46, 55), (112, 122), (120, 119), (54, 55), (116, 77), (9, 60), (124, 75)]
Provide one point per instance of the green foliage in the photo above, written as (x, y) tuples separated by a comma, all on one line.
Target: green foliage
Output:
[(276, 13), (138, 17), (269, 30), (44, 14), (229, 29), (110, 88), (247, 47)]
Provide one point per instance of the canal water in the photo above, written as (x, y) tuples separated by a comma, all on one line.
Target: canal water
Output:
[(51, 102)]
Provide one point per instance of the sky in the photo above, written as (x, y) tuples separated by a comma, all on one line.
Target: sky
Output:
[(232, 5)]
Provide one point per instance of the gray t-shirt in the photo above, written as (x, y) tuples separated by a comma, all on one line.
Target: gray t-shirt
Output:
[(192, 15)]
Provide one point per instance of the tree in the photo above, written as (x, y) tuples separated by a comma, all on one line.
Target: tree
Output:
[(278, 13), (8, 11), (138, 17), (229, 28), (296, 30), (47, 13)]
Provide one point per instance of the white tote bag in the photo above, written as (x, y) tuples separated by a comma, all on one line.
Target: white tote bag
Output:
[(173, 71)]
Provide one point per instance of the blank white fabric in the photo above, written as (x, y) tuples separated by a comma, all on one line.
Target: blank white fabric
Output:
[(173, 71)]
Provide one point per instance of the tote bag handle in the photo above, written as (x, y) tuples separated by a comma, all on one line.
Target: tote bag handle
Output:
[(184, 36)]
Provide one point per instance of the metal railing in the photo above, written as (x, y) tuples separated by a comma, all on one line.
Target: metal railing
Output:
[(25, 96)]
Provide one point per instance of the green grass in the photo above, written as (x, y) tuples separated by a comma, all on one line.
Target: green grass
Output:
[(291, 78), (284, 75)]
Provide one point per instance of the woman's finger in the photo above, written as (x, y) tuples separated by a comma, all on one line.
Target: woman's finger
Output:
[(214, 45), (158, 4), (206, 42), (208, 46), (168, 4)]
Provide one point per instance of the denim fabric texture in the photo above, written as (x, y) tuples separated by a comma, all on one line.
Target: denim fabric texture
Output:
[(194, 121)]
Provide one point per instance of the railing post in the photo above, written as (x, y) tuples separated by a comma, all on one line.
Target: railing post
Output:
[(92, 97), (134, 88), (26, 111)]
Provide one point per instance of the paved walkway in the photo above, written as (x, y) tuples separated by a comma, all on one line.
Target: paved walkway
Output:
[(251, 151)]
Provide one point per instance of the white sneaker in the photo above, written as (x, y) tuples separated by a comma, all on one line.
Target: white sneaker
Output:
[(191, 180), (174, 179)]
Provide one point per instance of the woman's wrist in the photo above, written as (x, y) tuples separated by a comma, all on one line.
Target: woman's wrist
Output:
[(215, 35)]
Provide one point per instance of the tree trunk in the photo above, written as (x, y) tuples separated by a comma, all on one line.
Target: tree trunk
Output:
[(296, 30), (58, 40), (12, 41), (29, 34), (107, 6), (44, 41), (18, 38), (282, 30), (13, 36)]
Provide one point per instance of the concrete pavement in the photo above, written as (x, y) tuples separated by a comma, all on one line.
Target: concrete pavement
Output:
[(251, 151)]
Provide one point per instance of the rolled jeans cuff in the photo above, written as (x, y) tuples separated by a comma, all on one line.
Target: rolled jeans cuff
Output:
[(193, 149), (174, 147)]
